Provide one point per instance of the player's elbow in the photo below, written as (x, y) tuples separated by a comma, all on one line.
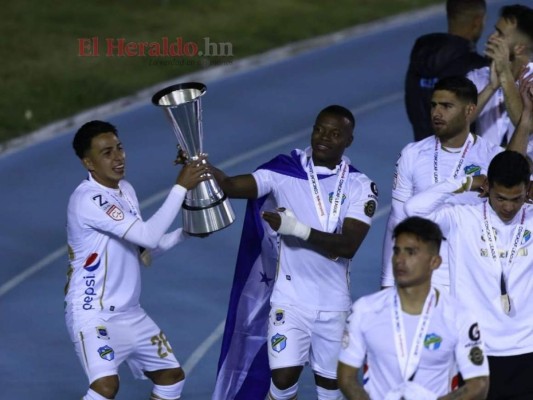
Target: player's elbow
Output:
[(410, 209), (479, 387)]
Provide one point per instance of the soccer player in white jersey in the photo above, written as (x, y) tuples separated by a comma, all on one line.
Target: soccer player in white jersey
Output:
[(452, 152), (325, 208), (490, 251), (510, 48), (411, 337), (108, 241)]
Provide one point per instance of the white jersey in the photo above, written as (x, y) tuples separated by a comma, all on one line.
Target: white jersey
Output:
[(452, 340), (416, 170), (493, 122), (475, 273), (305, 277), (105, 269)]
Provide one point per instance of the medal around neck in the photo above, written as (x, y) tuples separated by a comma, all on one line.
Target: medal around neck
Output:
[(506, 303), (206, 208)]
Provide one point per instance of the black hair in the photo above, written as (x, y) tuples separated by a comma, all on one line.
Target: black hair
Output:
[(340, 111), (425, 230), (509, 168), (522, 16), (82, 140), (461, 86), (458, 8)]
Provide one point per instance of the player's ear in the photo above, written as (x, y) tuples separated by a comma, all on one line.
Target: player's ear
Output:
[(435, 262), (471, 109), (87, 163), (349, 140)]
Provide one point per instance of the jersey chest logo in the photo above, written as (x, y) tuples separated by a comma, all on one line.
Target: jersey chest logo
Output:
[(110, 209)]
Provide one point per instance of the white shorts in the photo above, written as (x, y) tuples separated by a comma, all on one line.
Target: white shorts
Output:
[(103, 343), (298, 336)]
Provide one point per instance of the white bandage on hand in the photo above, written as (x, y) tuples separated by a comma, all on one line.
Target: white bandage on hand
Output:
[(395, 394), (291, 226)]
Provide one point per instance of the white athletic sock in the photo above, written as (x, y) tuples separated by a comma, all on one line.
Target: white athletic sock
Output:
[(278, 394), (167, 392), (325, 394), (92, 395)]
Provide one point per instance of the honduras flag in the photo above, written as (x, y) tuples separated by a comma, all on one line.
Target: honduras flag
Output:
[(243, 371)]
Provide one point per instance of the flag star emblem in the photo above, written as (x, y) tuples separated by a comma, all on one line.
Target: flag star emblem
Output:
[(265, 279)]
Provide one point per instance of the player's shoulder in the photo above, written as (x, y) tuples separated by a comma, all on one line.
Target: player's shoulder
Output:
[(374, 302), (88, 193), (414, 149), (478, 73), (453, 310), (486, 146), (364, 182)]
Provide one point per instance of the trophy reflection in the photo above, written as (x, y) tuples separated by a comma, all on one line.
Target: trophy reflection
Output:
[(206, 208)]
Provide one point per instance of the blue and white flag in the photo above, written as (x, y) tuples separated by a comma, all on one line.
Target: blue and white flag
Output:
[(243, 371)]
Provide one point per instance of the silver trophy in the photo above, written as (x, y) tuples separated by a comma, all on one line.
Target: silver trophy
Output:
[(206, 208)]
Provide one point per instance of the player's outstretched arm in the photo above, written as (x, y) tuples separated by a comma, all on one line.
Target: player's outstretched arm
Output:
[(239, 187), (147, 234)]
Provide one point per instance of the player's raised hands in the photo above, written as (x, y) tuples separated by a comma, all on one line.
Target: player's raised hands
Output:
[(193, 172)]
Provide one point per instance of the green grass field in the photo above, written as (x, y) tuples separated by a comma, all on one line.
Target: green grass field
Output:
[(50, 69)]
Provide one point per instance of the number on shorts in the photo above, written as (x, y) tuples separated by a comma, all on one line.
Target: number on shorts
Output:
[(161, 340)]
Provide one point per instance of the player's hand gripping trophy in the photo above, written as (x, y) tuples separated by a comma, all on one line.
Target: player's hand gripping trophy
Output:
[(206, 208)]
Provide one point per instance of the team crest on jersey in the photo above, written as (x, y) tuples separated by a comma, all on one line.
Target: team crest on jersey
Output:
[(432, 341), (101, 333), (370, 208), (278, 342), (331, 198), (106, 353), (92, 262), (278, 317), (526, 237), (115, 213), (473, 170)]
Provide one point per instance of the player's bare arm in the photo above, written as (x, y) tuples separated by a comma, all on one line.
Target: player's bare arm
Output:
[(474, 389), (239, 187), (488, 91), (349, 384), (344, 244), (520, 137)]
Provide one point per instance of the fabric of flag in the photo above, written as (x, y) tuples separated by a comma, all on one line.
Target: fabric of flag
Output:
[(243, 371)]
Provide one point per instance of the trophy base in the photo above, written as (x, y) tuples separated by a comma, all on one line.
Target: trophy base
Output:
[(204, 220)]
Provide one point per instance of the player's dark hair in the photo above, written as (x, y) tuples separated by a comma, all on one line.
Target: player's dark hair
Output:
[(458, 8), (522, 16), (461, 86), (509, 168), (425, 230), (340, 111), (84, 136)]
